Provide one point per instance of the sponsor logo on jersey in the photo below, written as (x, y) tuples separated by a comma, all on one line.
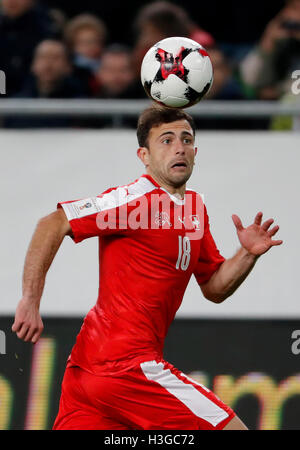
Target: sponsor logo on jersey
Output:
[(195, 221)]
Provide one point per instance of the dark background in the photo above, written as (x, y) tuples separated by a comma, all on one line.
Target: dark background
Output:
[(215, 347), (232, 21)]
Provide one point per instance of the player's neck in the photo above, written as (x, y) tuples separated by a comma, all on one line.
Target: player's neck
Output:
[(178, 191)]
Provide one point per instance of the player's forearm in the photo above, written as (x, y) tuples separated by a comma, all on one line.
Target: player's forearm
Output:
[(44, 245), (229, 276)]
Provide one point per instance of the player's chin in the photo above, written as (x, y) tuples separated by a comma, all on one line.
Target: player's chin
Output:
[(179, 175)]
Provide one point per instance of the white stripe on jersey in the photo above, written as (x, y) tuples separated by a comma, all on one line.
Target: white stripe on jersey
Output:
[(179, 201), (113, 199), (197, 402)]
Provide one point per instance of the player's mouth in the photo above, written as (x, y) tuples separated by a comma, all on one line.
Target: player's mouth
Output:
[(179, 165)]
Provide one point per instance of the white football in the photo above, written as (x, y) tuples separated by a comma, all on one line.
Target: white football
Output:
[(177, 72)]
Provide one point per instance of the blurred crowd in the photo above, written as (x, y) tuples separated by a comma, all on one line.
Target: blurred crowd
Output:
[(46, 55)]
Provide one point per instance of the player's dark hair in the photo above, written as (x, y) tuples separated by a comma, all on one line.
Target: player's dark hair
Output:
[(156, 115)]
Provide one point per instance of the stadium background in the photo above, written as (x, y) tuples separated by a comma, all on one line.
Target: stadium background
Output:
[(244, 349)]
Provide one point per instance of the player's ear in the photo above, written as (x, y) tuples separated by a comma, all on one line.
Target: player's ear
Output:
[(143, 154)]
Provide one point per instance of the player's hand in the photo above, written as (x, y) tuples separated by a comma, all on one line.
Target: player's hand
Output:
[(28, 324), (257, 238)]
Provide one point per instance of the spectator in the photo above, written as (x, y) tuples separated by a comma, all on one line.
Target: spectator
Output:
[(224, 86), (86, 35), (51, 71), (23, 24), (268, 68), (163, 19), (116, 77), (51, 77)]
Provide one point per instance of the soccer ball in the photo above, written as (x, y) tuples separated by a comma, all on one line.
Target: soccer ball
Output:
[(177, 72)]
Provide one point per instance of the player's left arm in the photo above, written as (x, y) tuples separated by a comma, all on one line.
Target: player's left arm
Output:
[(255, 240)]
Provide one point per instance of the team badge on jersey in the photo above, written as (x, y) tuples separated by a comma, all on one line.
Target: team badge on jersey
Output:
[(162, 219)]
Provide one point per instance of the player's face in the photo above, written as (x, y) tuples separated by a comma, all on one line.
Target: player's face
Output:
[(171, 153)]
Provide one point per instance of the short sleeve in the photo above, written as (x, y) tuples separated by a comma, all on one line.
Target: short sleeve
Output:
[(104, 214), (210, 258), (82, 216)]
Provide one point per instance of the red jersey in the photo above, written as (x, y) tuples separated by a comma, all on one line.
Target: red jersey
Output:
[(150, 244)]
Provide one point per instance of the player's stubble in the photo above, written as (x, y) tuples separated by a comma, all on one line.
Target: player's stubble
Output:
[(171, 165)]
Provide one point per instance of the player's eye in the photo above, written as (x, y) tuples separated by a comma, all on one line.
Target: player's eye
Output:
[(166, 141), (187, 141)]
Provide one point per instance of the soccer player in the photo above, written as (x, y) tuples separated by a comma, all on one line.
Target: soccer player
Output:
[(153, 235)]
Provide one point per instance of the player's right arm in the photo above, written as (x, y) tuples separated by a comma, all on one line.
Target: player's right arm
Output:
[(45, 242), (81, 219)]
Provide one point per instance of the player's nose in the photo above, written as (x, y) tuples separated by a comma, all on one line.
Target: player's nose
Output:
[(179, 147)]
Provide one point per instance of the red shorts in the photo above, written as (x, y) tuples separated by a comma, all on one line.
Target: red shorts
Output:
[(151, 396)]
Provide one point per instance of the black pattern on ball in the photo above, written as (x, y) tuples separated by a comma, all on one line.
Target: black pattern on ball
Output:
[(194, 96)]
